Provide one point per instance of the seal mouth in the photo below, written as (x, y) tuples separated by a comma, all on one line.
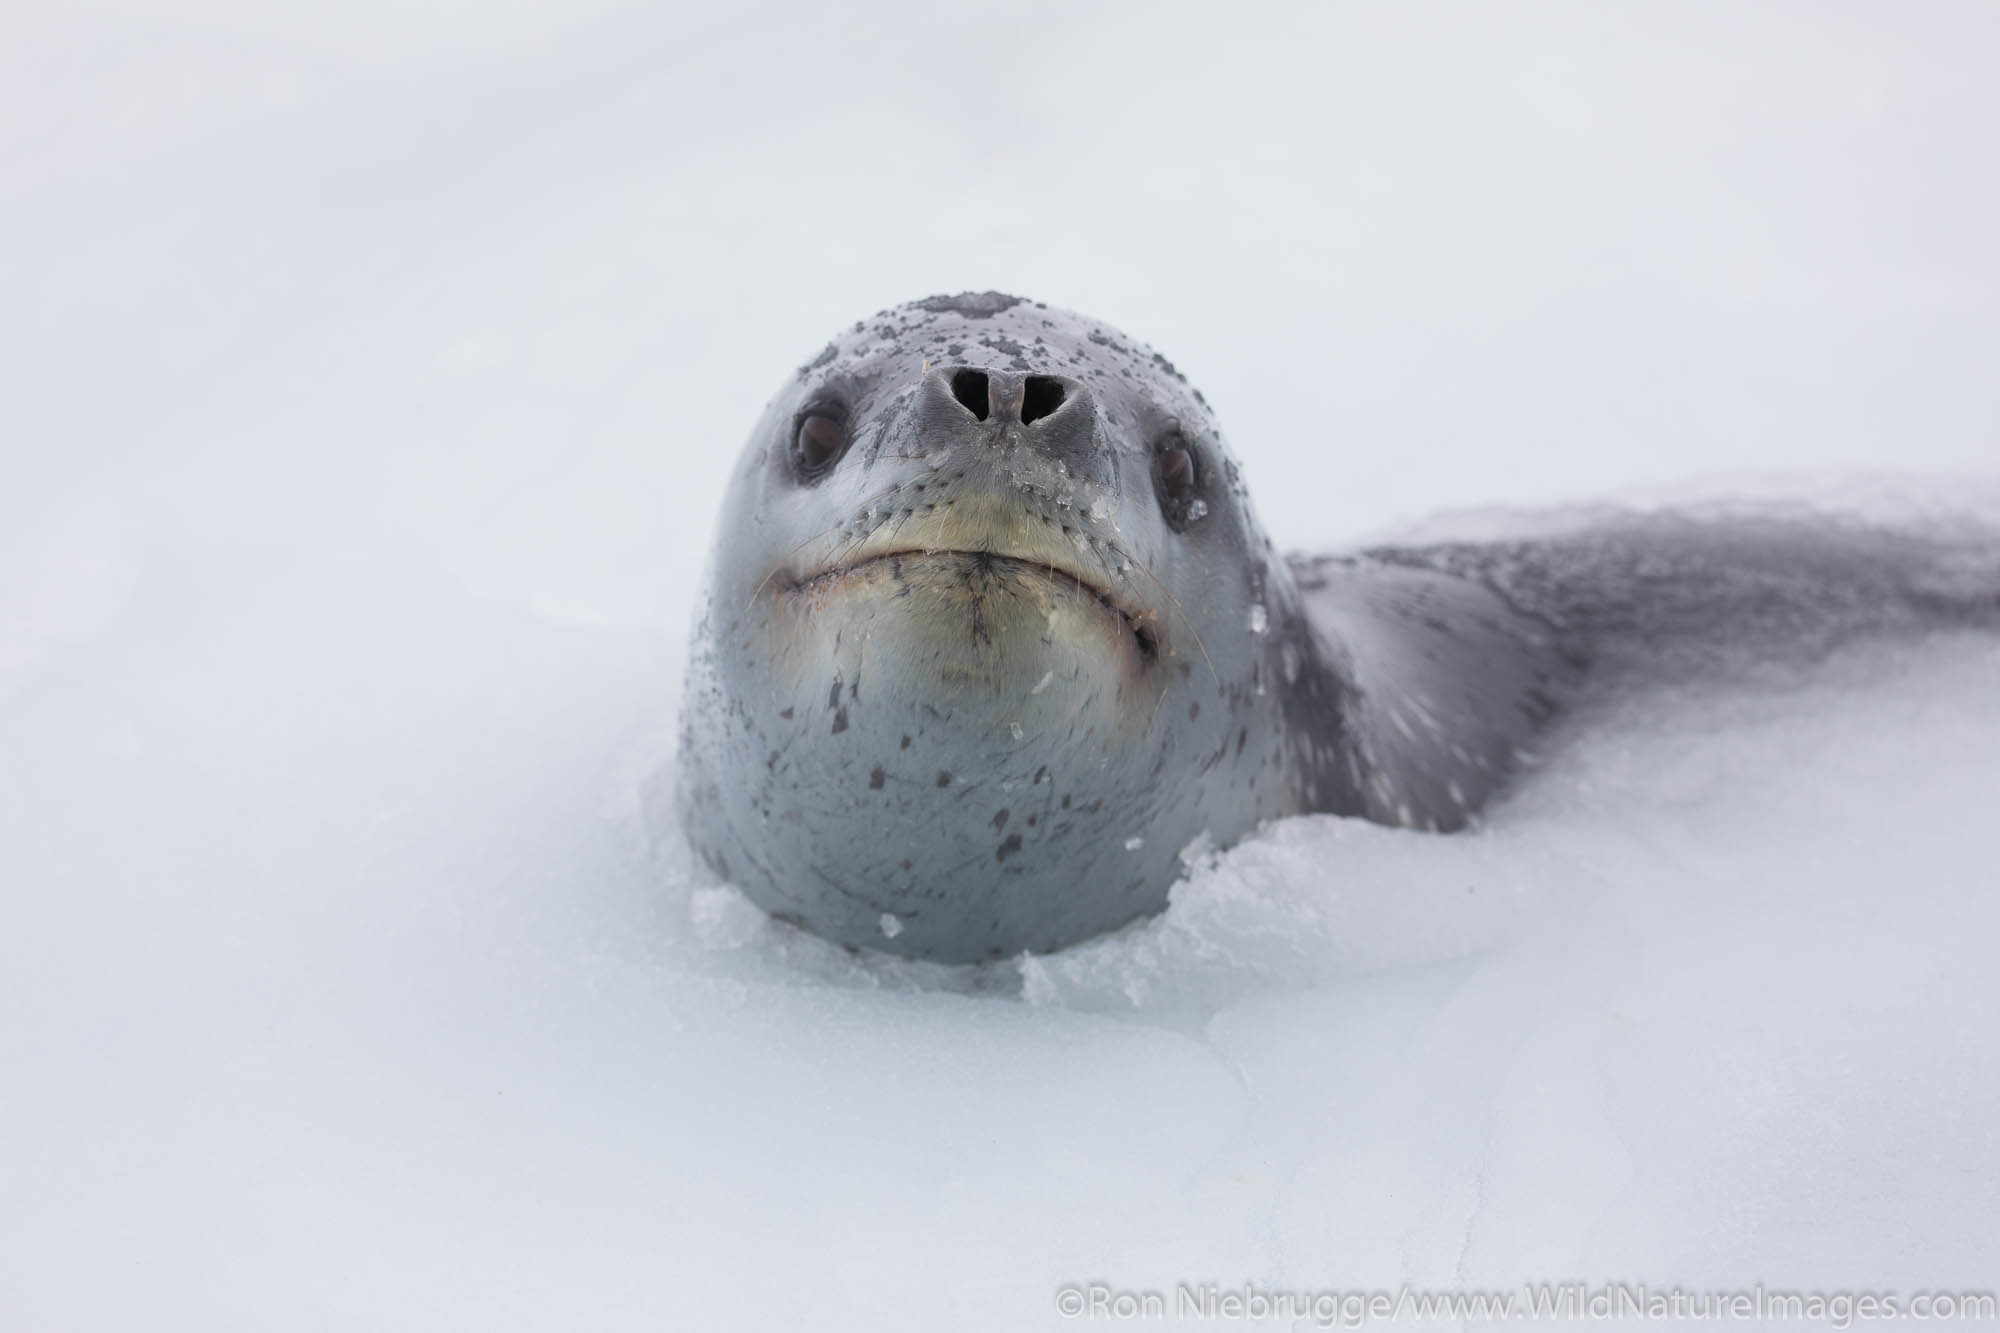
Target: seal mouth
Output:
[(1137, 622)]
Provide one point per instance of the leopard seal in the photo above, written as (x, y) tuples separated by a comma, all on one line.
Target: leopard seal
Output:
[(990, 634)]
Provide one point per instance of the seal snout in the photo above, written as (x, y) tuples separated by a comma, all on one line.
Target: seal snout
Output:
[(994, 470), (1050, 416), (1028, 400)]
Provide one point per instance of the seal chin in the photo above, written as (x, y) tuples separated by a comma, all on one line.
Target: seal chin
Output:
[(998, 598), (986, 559)]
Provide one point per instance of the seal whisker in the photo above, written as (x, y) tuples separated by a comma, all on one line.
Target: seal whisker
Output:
[(778, 567), (1140, 565)]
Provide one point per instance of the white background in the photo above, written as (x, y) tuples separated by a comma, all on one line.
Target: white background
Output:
[(368, 373)]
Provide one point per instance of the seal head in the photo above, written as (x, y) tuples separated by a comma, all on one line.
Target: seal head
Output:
[(989, 636)]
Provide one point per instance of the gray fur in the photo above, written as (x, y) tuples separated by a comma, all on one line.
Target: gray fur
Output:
[(972, 691)]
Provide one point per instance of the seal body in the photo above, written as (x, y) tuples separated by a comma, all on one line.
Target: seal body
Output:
[(990, 635)]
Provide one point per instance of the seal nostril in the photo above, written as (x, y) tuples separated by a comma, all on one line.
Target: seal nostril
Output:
[(1041, 396), (1148, 641), (969, 387)]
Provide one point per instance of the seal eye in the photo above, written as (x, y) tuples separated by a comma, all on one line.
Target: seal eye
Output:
[(817, 445), (1179, 482)]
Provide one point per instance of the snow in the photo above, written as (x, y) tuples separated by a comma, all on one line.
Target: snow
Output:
[(370, 373)]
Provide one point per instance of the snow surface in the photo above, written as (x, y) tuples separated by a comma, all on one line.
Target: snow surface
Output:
[(368, 373)]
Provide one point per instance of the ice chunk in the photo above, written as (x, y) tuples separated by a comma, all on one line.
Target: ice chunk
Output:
[(723, 918)]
